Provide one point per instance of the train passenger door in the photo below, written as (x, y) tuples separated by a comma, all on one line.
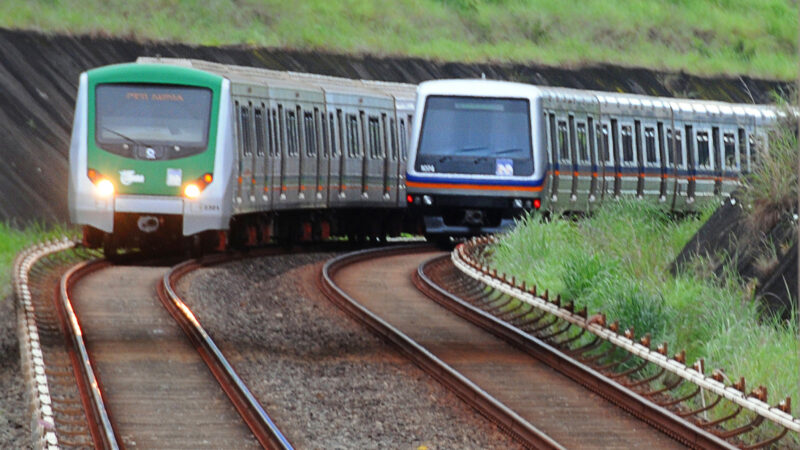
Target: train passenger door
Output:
[(629, 165), (335, 163), (730, 160), (323, 162), (651, 162), (272, 182), (404, 120), (290, 155), (705, 173), (260, 165), (605, 158), (309, 156), (352, 168), (677, 168), (374, 156)]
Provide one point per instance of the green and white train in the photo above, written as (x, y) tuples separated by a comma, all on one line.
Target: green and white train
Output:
[(171, 150)]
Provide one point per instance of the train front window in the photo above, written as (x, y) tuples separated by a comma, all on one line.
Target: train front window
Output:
[(147, 121), (473, 135)]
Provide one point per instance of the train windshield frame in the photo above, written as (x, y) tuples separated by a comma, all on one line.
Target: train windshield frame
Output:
[(152, 121), (476, 135)]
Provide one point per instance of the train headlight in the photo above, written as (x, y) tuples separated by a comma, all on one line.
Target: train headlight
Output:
[(191, 190), (104, 188), (427, 200), (517, 203)]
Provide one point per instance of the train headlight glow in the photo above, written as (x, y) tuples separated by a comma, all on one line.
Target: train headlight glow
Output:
[(104, 188), (427, 200), (518, 203), (191, 190)]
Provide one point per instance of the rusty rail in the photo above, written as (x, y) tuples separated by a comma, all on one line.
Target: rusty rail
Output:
[(667, 381), (259, 422), (501, 415)]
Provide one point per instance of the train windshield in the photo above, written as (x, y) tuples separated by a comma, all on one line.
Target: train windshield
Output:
[(475, 135), (147, 121)]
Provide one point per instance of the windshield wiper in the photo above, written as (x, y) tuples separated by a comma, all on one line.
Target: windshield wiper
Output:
[(508, 150), (129, 139)]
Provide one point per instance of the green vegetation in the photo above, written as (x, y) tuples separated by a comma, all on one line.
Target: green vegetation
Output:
[(13, 240), (617, 262), (754, 37)]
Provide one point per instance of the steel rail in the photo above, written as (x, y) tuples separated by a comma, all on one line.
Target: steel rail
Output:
[(490, 407), (482, 273), (101, 427), (657, 416), (259, 422)]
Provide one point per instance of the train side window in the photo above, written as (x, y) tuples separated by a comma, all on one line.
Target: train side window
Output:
[(244, 123), (353, 149), (393, 139), (602, 145), (674, 148), (704, 157), (563, 143), (628, 157), (292, 147), (744, 166), (583, 145), (310, 134), (651, 152), (755, 147), (374, 129), (260, 137), (730, 161)]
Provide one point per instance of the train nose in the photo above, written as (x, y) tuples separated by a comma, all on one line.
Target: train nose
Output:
[(148, 224)]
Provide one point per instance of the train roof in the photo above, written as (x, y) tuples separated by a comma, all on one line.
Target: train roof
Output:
[(293, 80), (588, 99)]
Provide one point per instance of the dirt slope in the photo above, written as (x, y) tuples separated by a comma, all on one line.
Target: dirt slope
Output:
[(39, 75)]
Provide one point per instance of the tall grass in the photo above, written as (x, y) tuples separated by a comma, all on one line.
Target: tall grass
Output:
[(616, 262), (702, 37)]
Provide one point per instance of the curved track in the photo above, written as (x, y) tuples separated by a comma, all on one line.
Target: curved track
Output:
[(530, 400), (140, 382)]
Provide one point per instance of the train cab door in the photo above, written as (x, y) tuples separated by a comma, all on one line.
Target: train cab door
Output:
[(628, 179), (562, 164), (404, 120), (391, 160), (245, 200), (651, 161), (582, 168)]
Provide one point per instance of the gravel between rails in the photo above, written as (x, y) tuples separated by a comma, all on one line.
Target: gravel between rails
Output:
[(325, 379), (14, 426)]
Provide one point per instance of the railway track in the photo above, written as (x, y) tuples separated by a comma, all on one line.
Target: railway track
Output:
[(522, 395), (129, 377)]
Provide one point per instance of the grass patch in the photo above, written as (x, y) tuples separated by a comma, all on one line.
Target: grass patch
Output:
[(702, 37), (617, 262), (13, 240)]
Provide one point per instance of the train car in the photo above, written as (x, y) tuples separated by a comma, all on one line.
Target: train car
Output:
[(486, 152), (185, 151)]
